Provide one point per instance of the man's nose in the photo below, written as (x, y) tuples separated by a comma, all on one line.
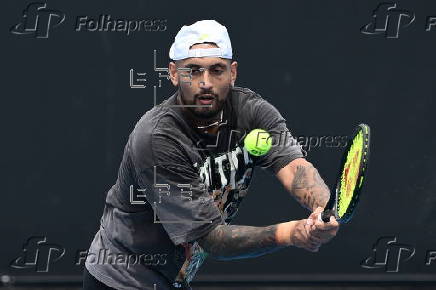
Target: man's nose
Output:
[(205, 82)]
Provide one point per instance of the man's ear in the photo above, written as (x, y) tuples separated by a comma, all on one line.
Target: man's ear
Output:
[(233, 71), (172, 69)]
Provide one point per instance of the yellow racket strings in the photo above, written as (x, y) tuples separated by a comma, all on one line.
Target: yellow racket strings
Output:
[(350, 174)]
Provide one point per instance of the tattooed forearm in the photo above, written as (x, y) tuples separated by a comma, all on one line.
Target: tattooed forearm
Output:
[(228, 242), (309, 188)]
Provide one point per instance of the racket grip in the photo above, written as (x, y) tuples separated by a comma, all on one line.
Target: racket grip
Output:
[(325, 215)]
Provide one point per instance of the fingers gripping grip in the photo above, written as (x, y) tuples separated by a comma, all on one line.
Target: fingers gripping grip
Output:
[(325, 215)]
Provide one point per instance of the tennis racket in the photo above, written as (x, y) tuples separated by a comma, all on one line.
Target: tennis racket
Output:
[(354, 163)]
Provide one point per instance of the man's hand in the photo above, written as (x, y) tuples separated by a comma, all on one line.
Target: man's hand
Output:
[(319, 231), (300, 236), (311, 233)]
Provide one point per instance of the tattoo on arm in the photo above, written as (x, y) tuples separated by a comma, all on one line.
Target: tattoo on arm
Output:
[(309, 188), (229, 242)]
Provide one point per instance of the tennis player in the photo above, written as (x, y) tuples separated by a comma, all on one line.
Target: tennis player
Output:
[(185, 172)]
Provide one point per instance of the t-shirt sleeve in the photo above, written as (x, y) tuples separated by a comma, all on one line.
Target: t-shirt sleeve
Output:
[(179, 198), (285, 147)]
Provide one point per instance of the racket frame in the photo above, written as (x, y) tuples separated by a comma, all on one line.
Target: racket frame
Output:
[(331, 207)]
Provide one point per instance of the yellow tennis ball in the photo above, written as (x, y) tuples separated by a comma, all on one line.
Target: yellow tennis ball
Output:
[(258, 142)]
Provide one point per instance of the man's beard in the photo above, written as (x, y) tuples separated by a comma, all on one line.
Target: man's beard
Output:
[(204, 113)]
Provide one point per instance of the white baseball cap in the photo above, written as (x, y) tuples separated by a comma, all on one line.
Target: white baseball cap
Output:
[(200, 32)]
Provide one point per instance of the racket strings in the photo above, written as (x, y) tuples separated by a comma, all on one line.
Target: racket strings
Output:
[(350, 174)]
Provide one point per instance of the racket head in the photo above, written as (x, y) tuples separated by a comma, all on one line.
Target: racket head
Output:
[(354, 165)]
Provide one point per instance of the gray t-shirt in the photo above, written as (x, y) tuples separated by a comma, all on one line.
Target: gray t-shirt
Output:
[(175, 184)]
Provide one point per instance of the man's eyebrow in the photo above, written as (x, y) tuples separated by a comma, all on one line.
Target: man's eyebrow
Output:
[(221, 65), (193, 65)]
